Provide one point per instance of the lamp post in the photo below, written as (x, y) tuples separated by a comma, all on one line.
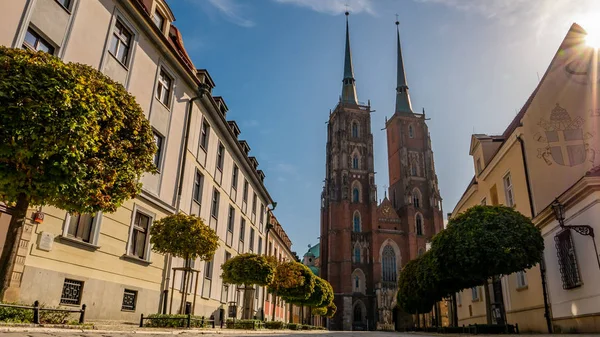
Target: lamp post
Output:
[(585, 230), (267, 230)]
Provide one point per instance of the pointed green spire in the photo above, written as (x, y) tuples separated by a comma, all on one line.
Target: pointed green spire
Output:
[(348, 87), (403, 105)]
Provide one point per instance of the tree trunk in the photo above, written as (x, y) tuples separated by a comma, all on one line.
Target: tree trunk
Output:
[(488, 312), (184, 278), (11, 244), (274, 298), (248, 302)]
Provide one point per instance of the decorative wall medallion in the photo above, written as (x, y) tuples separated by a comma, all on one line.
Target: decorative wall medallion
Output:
[(566, 142)]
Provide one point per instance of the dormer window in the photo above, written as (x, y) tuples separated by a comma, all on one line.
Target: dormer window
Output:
[(159, 20)]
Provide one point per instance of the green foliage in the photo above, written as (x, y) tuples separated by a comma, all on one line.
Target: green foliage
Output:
[(294, 326), (245, 324), (184, 236), (175, 321), (248, 269), (275, 325), (71, 137), (321, 296), (483, 242), (19, 315), (15, 315), (331, 309), (293, 281), (322, 311)]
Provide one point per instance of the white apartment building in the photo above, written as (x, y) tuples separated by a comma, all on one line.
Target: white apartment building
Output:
[(105, 261)]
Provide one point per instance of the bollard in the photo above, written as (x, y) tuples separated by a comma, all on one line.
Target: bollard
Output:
[(82, 315), (222, 321), (142, 321), (189, 320), (36, 312)]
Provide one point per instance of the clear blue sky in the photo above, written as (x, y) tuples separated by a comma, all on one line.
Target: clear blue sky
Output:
[(278, 64)]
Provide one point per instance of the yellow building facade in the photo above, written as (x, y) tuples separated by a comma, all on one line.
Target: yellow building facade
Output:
[(547, 153)]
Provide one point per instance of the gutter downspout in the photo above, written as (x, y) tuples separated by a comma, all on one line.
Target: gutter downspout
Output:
[(547, 314), (202, 89)]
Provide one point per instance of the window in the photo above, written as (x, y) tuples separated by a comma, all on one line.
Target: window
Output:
[(252, 239), (357, 255), (419, 224), (356, 282), (234, 177), (355, 162), (421, 252), (475, 293), (139, 235), (204, 133), (483, 202), (35, 42), (159, 140), (245, 196), (163, 88), (71, 292), (254, 204), (355, 129), (198, 183), (231, 219), (356, 222), (413, 169), (259, 250), (478, 165), (521, 279), (416, 199), (388, 258), (80, 227), (411, 132), (220, 156), (508, 190), (121, 42), (567, 260), (262, 213), (242, 229), (159, 20), (357, 313), (129, 300), (64, 3), (214, 208), (355, 195), (208, 269)]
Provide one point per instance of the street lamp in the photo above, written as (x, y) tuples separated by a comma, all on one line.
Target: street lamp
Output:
[(585, 230)]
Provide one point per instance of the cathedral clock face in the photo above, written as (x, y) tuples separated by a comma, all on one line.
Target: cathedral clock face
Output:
[(387, 210)]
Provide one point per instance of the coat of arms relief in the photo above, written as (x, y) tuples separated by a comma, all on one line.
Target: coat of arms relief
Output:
[(566, 142)]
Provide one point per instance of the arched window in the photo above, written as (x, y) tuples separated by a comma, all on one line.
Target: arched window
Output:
[(356, 222), (355, 129), (419, 224), (416, 199), (388, 261), (411, 132), (355, 162), (355, 194), (357, 255), (413, 168), (356, 283), (357, 313)]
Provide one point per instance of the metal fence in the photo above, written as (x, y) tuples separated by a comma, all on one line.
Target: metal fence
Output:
[(36, 310)]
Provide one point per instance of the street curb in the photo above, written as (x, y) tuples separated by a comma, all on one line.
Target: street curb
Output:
[(161, 332)]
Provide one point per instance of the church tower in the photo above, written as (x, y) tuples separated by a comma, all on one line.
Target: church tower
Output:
[(413, 190), (349, 206)]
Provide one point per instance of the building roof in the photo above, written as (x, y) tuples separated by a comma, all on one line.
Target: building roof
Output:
[(314, 251)]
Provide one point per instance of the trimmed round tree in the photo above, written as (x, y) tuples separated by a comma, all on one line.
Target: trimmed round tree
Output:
[(293, 281), (186, 237), (71, 137), (248, 270), (331, 309), (483, 242)]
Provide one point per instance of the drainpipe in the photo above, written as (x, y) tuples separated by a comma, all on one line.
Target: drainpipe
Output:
[(547, 314), (202, 90)]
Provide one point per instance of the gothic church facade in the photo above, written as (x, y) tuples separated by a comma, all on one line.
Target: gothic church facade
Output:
[(364, 244)]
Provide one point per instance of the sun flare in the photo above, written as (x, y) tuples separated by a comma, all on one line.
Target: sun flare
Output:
[(591, 24)]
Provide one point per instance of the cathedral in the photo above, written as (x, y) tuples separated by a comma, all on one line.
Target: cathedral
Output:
[(364, 244)]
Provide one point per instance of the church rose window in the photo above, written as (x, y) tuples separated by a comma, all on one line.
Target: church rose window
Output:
[(388, 259)]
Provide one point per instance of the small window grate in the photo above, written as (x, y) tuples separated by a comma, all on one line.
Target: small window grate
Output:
[(129, 300), (71, 292), (567, 260)]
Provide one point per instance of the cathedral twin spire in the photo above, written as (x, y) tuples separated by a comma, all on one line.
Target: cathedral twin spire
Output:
[(403, 105)]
